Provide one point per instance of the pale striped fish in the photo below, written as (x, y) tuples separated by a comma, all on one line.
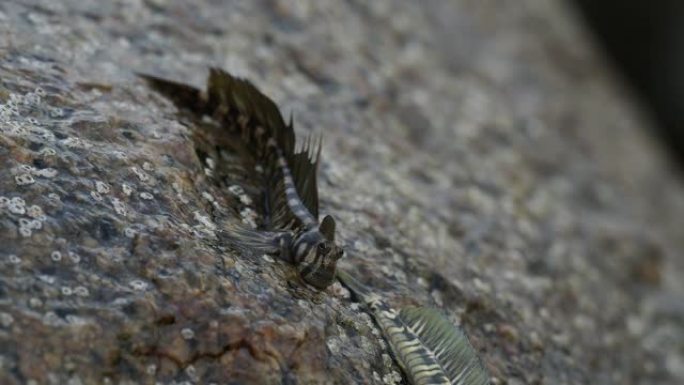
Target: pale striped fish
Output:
[(427, 347), (290, 188)]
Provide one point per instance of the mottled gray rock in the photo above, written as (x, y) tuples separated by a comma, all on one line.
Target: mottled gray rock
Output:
[(479, 157)]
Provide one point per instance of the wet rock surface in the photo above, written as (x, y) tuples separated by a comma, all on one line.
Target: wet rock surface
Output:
[(478, 157)]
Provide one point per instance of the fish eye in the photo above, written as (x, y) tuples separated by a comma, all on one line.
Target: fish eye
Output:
[(321, 246)]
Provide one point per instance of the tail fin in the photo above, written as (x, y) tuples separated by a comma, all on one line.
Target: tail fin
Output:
[(304, 169), (445, 348)]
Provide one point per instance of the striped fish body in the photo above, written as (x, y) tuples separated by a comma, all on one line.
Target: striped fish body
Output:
[(291, 190), (291, 195), (427, 347)]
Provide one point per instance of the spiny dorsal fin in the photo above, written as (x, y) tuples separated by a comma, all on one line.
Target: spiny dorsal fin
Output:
[(227, 90), (304, 167), (182, 95), (327, 228), (227, 95), (445, 344)]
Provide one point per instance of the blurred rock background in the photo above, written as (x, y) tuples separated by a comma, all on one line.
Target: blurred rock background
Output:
[(645, 43), (480, 157)]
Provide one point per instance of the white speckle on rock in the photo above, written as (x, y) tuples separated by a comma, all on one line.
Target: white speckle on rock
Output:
[(81, 291), (19, 203), (204, 220), (239, 192), (142, 175), (35, 302), (119, 207), (6, 319), (56, 112), (211, 163), (35, 224), (127, 189), (48, 151), (333, 345), (75, 258), (675, 364), (245, 199), (24, 179), (303, 304), (437, 297), (340, 290), (248, 217), (236, 189), (392, 377), (130, 232), (138, 285), (24, 222), (635, 325), (25, 168), (187, 333), (51, 318), (96, 195), (387, 360), (47, 172), (74, 142), (208, 196), (146, 196), (102, 187), (361, 246), (75, 320), (47, 279), (191, 372), (34, 211), (151, 369), (56, 256), (482, 286)]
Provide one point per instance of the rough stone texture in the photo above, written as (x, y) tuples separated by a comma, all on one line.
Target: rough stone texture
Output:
[(478, 157)]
